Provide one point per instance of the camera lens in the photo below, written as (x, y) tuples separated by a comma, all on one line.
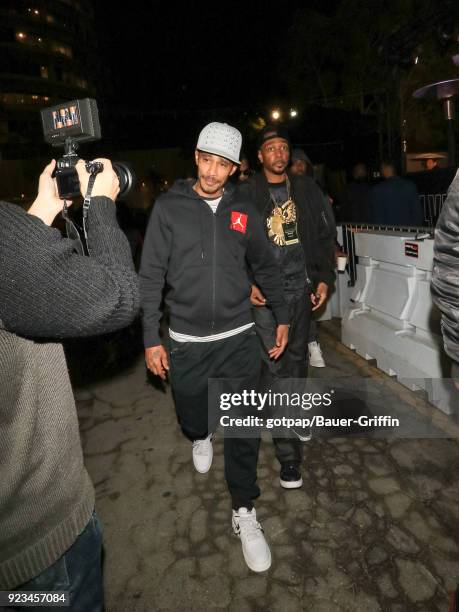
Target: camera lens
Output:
[(125, 176)]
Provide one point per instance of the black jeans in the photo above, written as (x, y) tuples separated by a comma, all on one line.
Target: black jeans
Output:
[(293, 363), (191, 365), (313, 333), (78, 571)]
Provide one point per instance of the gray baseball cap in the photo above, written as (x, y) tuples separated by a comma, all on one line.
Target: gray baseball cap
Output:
[(221, 139)]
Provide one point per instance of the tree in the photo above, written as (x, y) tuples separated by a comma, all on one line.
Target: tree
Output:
[(371, 56)]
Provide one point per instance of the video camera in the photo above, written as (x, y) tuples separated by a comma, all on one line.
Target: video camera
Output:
[(66, 125)]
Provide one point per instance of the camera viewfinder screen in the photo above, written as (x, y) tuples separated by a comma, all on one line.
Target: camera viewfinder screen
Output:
[(77, 119), (67, 116)]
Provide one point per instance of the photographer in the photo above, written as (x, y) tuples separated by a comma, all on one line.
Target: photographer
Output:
[(50, 537)]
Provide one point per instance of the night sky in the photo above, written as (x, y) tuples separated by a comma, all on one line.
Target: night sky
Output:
[(204, 55), (171, 70)]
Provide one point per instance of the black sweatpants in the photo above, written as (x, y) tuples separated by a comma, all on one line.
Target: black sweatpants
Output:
[(293, 363), (191, 365)]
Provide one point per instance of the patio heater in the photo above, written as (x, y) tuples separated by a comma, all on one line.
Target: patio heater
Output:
[(444, 91)]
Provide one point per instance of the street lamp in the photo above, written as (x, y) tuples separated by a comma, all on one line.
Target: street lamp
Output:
[(276, 115), (293, 112)]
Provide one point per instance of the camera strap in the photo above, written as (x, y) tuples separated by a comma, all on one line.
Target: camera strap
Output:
[(87, 202), (93, 168), (72, 231)]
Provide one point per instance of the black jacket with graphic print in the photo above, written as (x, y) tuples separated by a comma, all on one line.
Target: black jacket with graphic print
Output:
[(201, 259), (316, 225)]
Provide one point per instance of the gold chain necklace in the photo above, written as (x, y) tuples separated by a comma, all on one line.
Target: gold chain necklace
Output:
[(281, 214)]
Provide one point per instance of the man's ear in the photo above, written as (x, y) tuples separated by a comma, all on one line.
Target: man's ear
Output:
[(260, 157), (196, 156), (233, 170)]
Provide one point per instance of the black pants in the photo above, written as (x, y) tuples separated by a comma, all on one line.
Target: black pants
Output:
[(293, 363), (313, 333), (191, 365)]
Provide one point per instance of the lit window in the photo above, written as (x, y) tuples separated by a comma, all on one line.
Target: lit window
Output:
[(15, 99), (62, 49), (44, 72)]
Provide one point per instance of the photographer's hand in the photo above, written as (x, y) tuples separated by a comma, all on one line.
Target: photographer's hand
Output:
[(47, 204), (106, 183)]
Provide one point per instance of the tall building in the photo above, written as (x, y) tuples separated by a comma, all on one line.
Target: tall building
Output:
[(48, 53)]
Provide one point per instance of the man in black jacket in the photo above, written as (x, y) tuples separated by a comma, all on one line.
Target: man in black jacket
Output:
[(197, 243), (290, 209)]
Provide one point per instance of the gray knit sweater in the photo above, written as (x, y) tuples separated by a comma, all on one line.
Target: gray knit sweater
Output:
[(48, 292)]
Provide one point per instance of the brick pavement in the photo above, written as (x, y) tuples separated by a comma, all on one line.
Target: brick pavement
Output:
[(374, 528)]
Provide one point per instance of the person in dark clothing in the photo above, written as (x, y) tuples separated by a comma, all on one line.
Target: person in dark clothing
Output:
[(291, 212), (357, 199), (301, 165), (396, 200), (199, 240)]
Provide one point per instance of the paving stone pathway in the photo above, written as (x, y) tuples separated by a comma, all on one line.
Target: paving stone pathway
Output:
[(374, 528)]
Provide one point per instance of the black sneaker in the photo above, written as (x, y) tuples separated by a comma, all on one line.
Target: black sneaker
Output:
[(290, 476)]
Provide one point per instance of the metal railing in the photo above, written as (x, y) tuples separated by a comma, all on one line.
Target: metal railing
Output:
[(432, 204)]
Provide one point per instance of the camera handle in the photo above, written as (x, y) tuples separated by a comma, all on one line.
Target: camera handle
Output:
[(70, 147), (93, 168)]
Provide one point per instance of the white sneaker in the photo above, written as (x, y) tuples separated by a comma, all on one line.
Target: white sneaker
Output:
[(254, 546), (203, 454), (315, 355)]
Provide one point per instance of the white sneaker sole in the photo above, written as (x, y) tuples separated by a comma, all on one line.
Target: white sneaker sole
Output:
[(254, 567), (206, 468), (291, 484), (303, 438), (202, 471), (317, 364), (258, 568)]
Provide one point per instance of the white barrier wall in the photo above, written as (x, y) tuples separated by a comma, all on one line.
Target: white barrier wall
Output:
[(389, 315)]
